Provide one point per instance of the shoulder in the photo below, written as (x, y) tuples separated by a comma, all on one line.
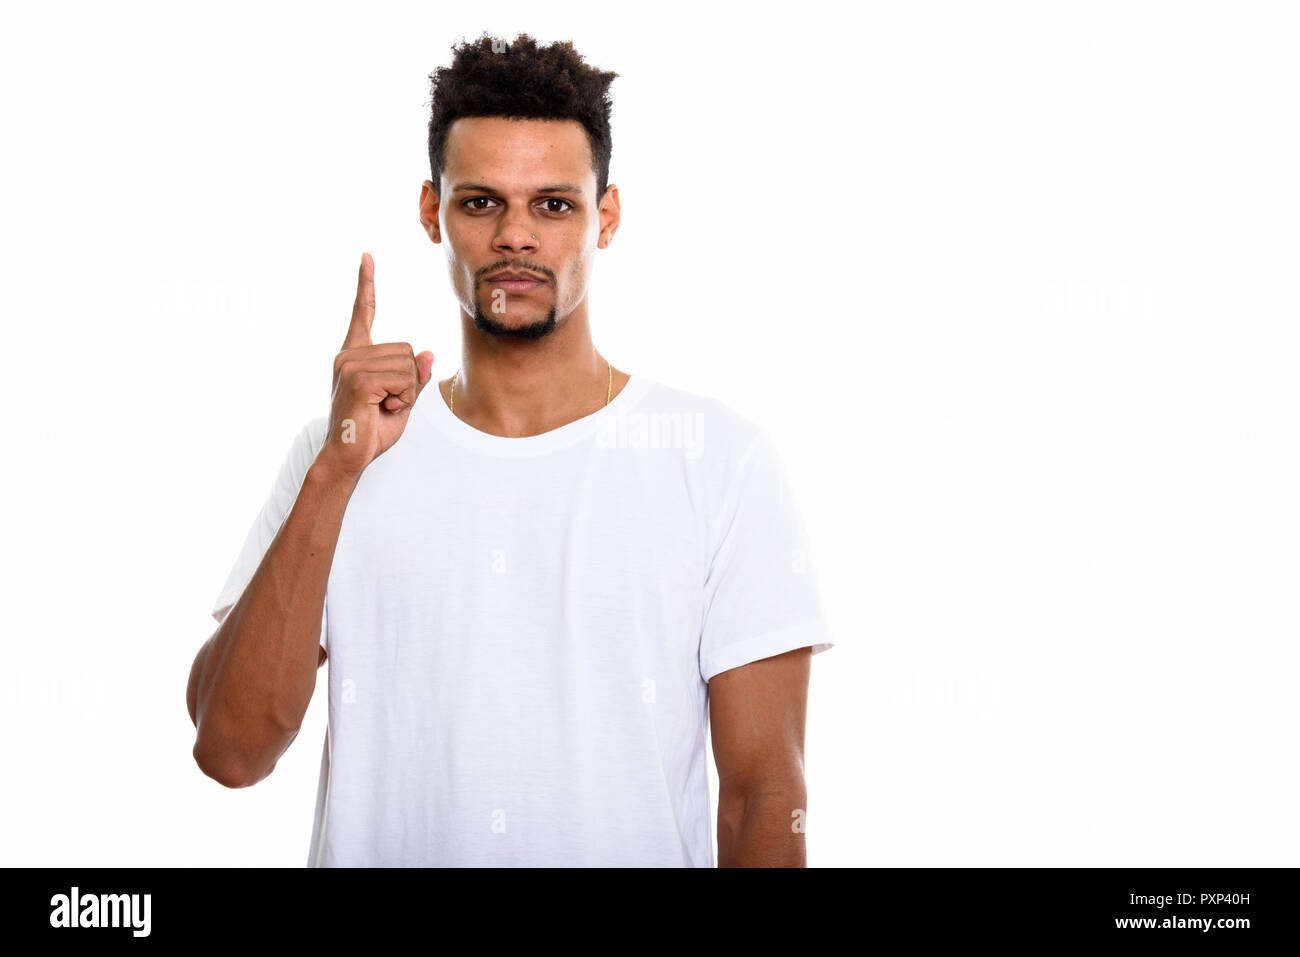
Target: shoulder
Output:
[(304, 448), (311, 437), (313, 432), (723, 432), (719, 441)]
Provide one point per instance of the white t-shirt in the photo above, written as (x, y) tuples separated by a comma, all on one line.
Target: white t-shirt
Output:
[(521, 631)]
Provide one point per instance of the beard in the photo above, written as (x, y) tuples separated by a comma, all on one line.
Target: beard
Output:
[(534, 330)]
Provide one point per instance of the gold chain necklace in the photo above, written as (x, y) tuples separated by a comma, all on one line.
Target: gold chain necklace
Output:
[(609, 391)]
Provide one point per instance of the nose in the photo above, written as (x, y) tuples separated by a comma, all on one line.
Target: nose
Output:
[(515, 236)]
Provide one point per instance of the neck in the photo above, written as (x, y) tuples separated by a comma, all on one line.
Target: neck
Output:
[(515, 388)]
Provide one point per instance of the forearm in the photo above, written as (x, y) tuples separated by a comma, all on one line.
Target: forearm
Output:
[(258, 671), (758, 825)]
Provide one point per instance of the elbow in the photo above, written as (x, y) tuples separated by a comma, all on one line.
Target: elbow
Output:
[(226, 768), (221, 768), (785, 783)]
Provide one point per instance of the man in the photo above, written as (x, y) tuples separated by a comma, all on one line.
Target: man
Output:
[(539, 586)]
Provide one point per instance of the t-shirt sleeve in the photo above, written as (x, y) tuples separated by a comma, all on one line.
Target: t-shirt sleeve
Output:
[(761, 596), (284, 493)]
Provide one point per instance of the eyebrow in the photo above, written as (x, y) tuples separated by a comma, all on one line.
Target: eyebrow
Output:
[(484, 188)]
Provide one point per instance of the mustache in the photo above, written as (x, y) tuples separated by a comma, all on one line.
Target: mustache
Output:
[(514, 266)]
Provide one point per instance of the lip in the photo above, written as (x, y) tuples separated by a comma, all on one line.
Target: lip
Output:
[(515, 275), (515, 285)]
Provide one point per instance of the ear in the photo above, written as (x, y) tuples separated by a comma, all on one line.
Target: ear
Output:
[(429, 205), (609, 216)]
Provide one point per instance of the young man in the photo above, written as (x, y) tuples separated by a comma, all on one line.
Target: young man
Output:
[(539, 585)]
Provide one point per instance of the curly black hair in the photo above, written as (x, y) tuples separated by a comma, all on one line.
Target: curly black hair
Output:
[(525, 81)]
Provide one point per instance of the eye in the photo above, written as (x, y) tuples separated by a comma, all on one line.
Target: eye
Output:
[(566, 206)]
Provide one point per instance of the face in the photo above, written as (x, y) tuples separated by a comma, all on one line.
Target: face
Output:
[(519, 195)]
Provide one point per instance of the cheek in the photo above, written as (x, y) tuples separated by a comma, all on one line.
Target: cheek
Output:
[(458, 267), (578, 266)]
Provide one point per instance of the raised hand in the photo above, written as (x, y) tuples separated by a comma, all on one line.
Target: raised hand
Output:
[(375, 387)]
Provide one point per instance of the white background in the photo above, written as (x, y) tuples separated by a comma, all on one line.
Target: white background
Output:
[(1012, 285)]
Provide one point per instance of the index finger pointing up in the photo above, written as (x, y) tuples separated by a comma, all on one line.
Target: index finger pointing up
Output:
[(363, 310)]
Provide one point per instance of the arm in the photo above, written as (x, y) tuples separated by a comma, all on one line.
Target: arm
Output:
[(757, 713), (196, 671), (253, 679)]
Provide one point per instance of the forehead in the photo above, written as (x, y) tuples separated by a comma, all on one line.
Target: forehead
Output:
[(507, 153)]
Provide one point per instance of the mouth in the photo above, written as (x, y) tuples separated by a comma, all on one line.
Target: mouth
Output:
[(515, 282)]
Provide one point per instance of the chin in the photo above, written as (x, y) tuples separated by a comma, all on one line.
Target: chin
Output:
[(514, 328)]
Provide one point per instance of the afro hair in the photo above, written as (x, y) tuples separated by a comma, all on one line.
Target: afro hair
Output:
[(521, 80)]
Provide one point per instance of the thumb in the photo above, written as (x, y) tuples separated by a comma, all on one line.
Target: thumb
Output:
[(424, 370), (423, 374)]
